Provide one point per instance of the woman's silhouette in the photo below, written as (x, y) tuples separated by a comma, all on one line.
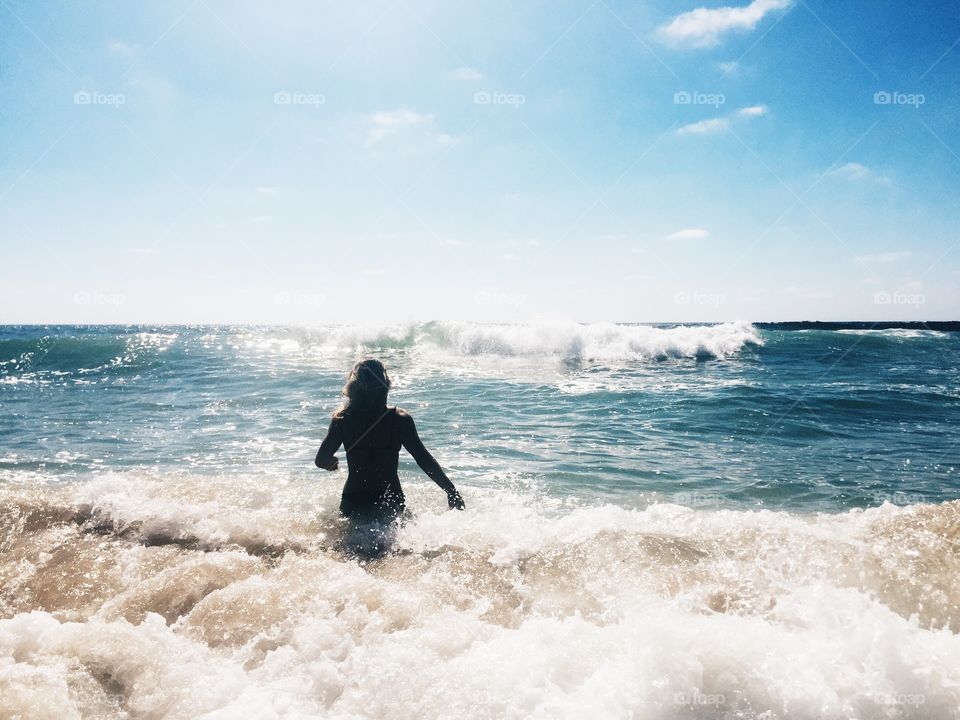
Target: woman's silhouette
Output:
[(372, 434)]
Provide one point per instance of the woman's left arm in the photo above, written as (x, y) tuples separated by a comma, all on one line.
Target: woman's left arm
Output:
[(326, 460)]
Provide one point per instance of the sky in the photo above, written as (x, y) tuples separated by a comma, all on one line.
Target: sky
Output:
[(226, 161)]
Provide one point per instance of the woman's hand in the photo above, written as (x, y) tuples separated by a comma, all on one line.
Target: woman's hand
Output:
[(454, 500), (330, 464)]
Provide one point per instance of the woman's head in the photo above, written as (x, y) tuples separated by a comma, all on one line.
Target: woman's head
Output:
[(366, 389)]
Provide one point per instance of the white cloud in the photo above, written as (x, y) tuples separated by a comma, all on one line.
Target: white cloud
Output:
[(468, 73), (387, 123), (752, 111), (731, 66), (705, 127), (118, 48), (856, 172), (885, 257), (703, 27), (688, 234), (395, 123)]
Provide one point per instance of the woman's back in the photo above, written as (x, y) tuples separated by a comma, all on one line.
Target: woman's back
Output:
[(373, 451)]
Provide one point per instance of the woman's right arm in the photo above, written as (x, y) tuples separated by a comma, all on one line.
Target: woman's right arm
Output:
[(411, 441), (326, 460)]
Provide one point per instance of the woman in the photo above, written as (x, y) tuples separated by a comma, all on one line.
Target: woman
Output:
[(372, 434)]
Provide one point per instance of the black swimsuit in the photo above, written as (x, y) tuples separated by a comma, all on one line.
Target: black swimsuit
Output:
[(373, 451), (373, 448)]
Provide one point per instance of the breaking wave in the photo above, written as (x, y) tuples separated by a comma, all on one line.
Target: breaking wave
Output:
[(572, 341)]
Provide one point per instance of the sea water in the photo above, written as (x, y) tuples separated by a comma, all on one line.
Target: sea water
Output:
[(662, 522)]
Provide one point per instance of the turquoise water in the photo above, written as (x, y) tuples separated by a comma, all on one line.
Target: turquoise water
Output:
[(726, 521), (724, 415)]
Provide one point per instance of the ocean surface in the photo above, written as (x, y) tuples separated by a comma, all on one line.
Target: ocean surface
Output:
[(715, 521)]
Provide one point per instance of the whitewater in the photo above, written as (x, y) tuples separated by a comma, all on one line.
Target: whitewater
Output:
[(720, 521)]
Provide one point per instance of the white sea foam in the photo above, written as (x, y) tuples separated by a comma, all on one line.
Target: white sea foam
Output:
[(572, 341), (184, 597), (900, 333)]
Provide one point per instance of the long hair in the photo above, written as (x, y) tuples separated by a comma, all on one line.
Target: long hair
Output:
[(366, 390)]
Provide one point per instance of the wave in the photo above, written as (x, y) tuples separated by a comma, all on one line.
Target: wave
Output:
[(144, 595), (570, 341), (899, 333), (118, 351)]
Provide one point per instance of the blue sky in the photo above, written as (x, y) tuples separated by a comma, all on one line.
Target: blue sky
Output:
[(304, 162)]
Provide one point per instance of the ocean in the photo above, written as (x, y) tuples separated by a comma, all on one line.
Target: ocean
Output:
[(710, 521)]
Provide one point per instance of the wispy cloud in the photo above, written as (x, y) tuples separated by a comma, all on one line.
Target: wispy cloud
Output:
[(856, 172), (704, 26), (118, 48), (396, 123), (468, 73), (688, 234), (892, 256), (752, 111), (712, 125)]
